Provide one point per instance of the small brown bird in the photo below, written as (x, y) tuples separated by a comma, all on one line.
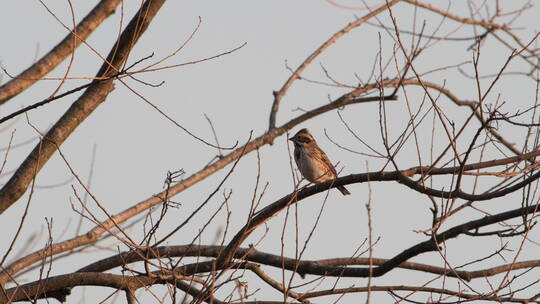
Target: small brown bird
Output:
[(312, 161)]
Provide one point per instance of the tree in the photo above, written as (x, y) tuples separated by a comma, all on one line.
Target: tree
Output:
[(454, 138)]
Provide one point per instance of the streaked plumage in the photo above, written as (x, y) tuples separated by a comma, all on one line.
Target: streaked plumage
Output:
[(312, 161)]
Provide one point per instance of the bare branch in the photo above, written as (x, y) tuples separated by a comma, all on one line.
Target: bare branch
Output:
[(46, 64)]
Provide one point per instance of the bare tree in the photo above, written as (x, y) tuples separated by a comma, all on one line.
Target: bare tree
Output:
[(471, 158)]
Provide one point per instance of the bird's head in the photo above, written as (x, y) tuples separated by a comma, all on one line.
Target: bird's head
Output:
[(302, 138)]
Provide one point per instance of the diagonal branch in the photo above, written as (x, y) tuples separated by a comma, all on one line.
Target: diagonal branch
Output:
[(80, 109), (60, 283), (48, 62), (402, 176), (296, 74), (228, 254), (94, 234)]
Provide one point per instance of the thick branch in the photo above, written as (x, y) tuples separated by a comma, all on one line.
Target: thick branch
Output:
[(71, 42), (94, 234), (327, 267), (58, 286), (81, 109), (132, 283), (271, 210)]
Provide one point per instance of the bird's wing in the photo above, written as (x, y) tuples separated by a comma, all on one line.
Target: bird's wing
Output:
[(327, 161)]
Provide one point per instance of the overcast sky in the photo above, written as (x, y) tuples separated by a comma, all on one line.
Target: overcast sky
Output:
[(131, 146)]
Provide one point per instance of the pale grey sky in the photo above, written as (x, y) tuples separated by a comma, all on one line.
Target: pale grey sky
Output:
[(135, 145)]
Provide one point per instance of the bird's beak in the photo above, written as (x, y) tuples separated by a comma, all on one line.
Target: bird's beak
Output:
[(291, 139)]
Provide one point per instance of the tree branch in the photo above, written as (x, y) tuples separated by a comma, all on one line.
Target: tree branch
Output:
[(296, 74), (68, 45), (81, 109)]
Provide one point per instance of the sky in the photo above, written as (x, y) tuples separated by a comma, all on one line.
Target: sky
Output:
[(125, 148)]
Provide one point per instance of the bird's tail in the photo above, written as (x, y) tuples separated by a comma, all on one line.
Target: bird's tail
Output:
[(343, 190)]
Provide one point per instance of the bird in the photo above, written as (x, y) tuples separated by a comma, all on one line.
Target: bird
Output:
[(313, 163)]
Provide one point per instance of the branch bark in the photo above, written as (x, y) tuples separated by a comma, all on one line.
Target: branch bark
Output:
[(72, 41), (94, 234), (81, 109), (327, 267)]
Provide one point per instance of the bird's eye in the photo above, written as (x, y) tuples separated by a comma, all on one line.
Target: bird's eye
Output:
[(304, 139)]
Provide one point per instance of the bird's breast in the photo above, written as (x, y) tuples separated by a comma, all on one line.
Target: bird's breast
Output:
[(312, 168)]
